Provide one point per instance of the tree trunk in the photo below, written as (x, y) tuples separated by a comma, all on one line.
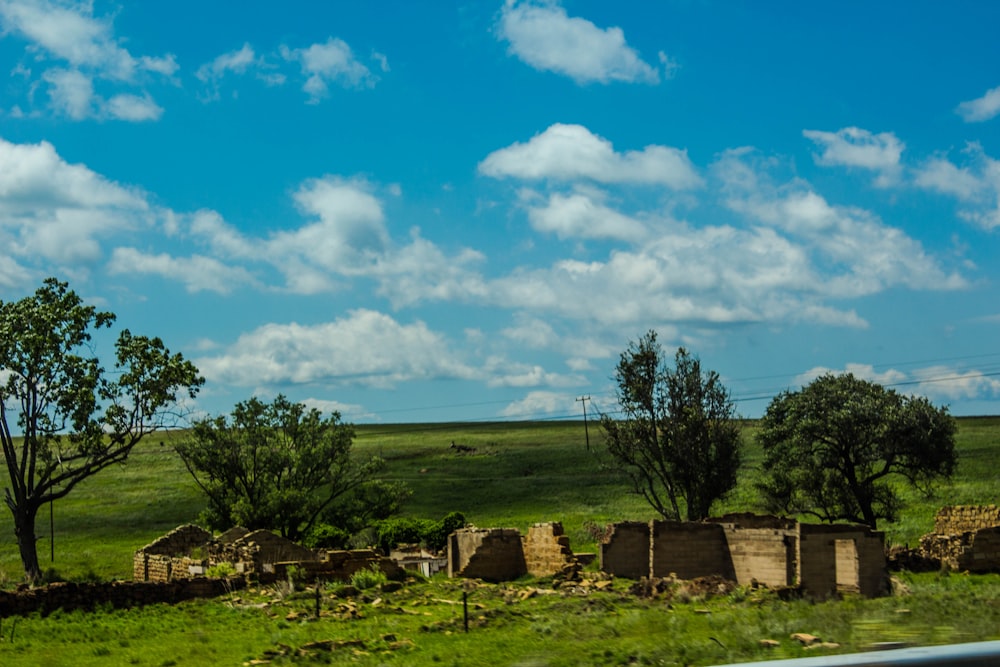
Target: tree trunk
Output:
[(24, 529)]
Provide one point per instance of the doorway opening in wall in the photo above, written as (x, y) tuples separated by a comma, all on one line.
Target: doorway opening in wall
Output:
[(847, 566)]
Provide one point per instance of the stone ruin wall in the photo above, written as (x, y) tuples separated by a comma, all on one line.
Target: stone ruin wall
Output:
[(502, 554), (547, 551), (841, 558), (188, 551), (762, 548), (821, 559), (965, 537), (624, 552), (688, 550), (490, 554), (958, 519)]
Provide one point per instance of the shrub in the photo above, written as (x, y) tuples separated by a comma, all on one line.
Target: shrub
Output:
[(221, 570), (325, 536), (368, 578)]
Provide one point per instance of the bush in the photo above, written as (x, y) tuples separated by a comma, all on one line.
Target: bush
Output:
[(431, 534), (368, 578), (325, 536)]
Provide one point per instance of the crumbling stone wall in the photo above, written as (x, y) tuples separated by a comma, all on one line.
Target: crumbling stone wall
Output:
[(546, 550), (169, 556), (974, 551), (118, 594), (490, 554), (958, 519)]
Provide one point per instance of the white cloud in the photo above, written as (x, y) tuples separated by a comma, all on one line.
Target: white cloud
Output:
[(942, 175), (197, 273), (855, 147), (76, 48), (54, 211), (938, 383), (71, 93), (330, 63), (854, 253), (976, 184), (365, 348), (578, 215), (540, 403), (125, 106), (233, 61), (542, 35), (863, 371), (569, 152), (983, 108)]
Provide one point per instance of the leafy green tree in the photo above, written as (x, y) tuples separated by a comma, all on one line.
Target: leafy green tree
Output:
[(678, 439), (69, 420), (835, 448), (273, 465)]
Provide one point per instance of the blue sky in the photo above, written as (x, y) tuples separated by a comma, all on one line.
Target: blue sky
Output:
[(465, 211)]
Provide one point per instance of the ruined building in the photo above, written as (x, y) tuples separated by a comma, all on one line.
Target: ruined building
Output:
[(965, 537), (821, 560), (188, 551)]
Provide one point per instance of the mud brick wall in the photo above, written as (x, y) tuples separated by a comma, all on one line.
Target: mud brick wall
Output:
[(689, 550), (546, 550), (957, 519), (841, 557), (494, 554), (767, 555), (625, 552)]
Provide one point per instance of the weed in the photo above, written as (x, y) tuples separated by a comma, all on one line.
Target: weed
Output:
[(368, 578)]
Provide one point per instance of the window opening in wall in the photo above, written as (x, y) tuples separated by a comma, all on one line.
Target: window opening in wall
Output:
[(847, 565)]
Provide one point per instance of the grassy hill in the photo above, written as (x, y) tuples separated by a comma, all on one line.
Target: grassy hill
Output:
[(519, 474)]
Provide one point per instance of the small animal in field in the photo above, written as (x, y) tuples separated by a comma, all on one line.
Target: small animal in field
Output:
[(462, 449)]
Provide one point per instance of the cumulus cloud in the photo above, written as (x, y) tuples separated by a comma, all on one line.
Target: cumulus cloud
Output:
[(855, 147), (542, 35), (982, 108), (365, 348), (579, 215), (330, 63), (570, 152), (61, 212), (76, 48), (854, 251)]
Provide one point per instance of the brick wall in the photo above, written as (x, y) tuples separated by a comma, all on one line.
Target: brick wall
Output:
[(841, 558), (689, 550), (493, 554), (957, 519), (546, 550), (625, 551)]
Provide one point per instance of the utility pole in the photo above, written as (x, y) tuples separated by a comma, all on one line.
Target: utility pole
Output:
[(586, 429)]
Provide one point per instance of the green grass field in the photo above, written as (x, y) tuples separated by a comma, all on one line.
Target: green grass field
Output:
[(519, 474)]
